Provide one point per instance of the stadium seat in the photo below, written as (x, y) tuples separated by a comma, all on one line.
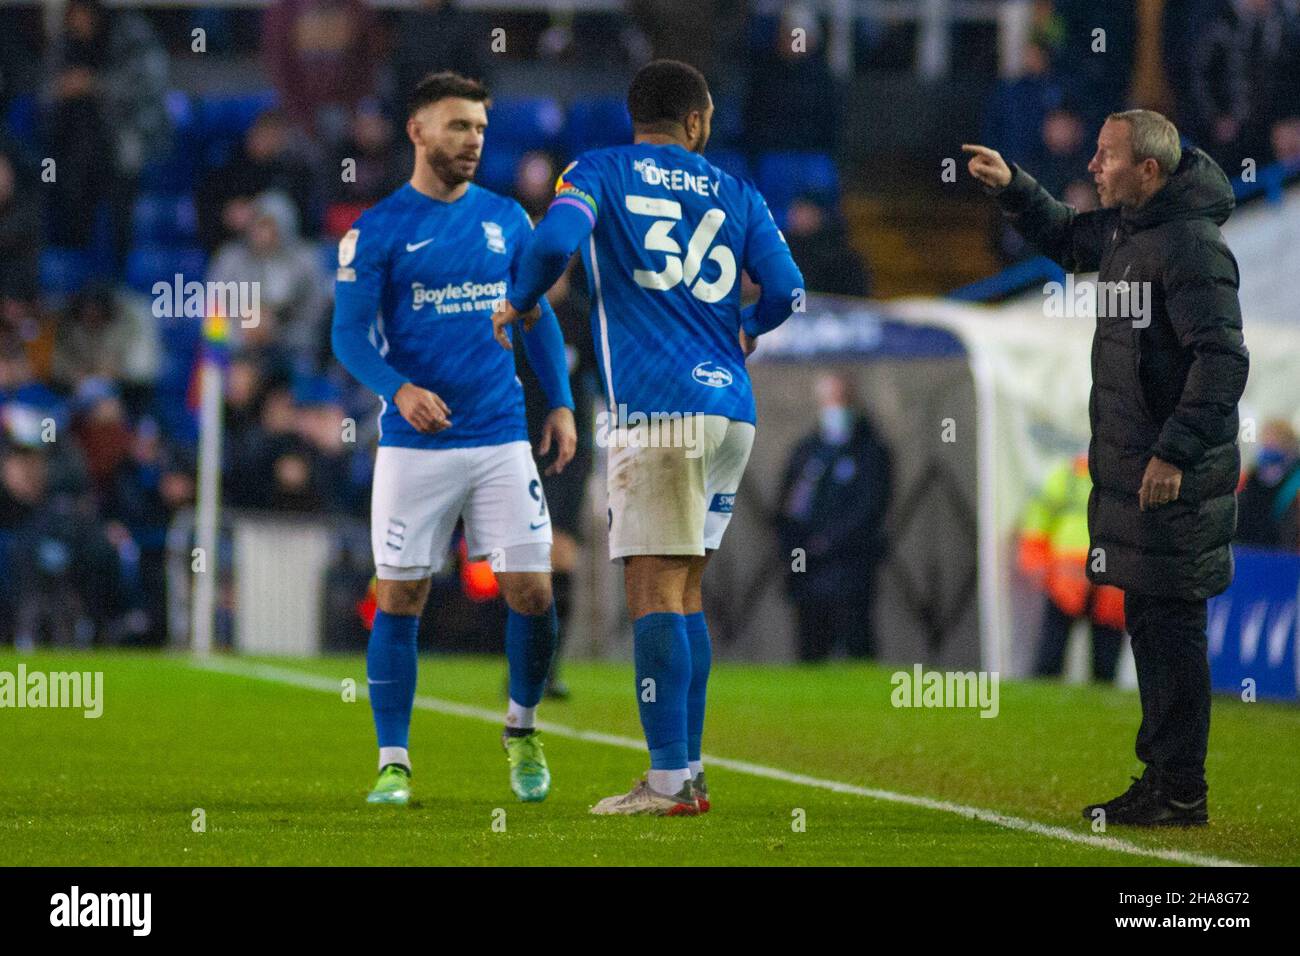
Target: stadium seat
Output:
[(728, 121), (222, 121), (147, 264), (339, 217), (176, 171), (496, 169), (597, 122), (164, 218), (22, 120), (180, 109), (783, 177), (731, 161), (526, 122), (229, 117), (327, 254), (64, 271)]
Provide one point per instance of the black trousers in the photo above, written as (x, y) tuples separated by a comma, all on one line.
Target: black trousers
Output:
[(841, 622), (1050, 660), (1169, 648)]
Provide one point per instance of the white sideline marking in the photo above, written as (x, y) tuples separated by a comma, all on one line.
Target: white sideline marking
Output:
[(284, 675)]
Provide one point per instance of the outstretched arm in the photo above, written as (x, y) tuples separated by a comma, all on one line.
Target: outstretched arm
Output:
[(1069, 237)]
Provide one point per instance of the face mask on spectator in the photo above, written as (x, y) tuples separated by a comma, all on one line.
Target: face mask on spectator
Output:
[(836, 422)]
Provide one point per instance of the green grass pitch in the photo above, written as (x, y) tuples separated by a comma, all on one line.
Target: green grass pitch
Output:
[(279, 770)]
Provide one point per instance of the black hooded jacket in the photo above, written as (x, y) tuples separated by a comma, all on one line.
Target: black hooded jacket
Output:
[(1166, 378)]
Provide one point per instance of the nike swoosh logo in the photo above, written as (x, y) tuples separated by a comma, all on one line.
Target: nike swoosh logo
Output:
[(412, 246), (541, 524)]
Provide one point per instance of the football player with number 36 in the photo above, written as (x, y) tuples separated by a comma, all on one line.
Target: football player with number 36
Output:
[(664, 235)]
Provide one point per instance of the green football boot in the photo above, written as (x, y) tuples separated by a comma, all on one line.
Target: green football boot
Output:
[(392, 787), (529, 777)]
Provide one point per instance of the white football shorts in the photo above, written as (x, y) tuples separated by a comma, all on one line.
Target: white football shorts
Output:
[(676, 498), (419, 493)]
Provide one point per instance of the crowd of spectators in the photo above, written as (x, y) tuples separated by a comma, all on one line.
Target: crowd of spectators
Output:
[(111, 180), (110, 183), (1232, 69)]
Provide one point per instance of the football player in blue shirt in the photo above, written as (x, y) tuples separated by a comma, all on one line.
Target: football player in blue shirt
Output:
[(664, 235), (419, 275)]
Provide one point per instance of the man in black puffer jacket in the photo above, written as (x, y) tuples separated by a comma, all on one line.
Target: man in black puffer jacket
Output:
[(1168, 367)]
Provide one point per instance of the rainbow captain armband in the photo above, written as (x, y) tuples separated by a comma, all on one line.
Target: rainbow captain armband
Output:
[(567, 194)]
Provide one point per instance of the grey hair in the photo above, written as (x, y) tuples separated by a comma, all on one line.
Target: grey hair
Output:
[(1154, 137)]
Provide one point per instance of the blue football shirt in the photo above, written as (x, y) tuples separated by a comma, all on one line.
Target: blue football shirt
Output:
[(435, 271), (671, 235)]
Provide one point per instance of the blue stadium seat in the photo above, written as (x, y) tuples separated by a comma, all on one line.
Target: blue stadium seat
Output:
[(64, 271), (783, 177), (496, 170), (176, 171), (180, 109), (597, 122), (327, 254), (731, 161), (222, 121), (164, 218), (22, 120), (147, 264), (230, 116), (526, 122), (728, 128)]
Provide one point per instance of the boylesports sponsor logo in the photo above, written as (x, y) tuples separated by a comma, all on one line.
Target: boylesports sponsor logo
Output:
[(468, 296), (714, 376)]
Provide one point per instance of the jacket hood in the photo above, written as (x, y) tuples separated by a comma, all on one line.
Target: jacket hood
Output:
[(1198, 189)]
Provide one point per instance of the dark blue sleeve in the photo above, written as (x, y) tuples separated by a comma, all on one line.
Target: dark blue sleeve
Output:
[(544, 346), (548, 251), (357, 291)]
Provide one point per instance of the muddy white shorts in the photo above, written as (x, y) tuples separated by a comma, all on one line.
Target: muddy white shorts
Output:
[(676, 498), (419, 494)]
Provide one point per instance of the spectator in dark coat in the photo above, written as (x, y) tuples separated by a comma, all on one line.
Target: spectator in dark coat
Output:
[(436, 35), (265, 163), (793, 98), (106, 119), (1014, 115), (1169, 366), (1268, 512), (834, 495), (819, 243), (365, 169), (20, 235), (1239, 66)]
